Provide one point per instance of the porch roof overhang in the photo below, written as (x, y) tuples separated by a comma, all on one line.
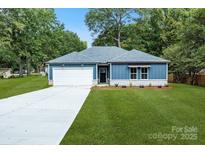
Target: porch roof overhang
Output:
[(135, 66), (103, 64)]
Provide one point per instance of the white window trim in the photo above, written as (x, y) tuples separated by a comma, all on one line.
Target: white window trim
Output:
[(134, 73), (110, 71), (144, 73), (96, 72), (167, 71)]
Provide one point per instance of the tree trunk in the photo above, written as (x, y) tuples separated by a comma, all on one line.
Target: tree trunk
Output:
[(119, 39), (28, 66), (38, 68), (177, 77), (193, 78), (20, 67)]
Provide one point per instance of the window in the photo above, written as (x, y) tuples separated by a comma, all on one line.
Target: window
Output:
[(144, 73), (133, 73)]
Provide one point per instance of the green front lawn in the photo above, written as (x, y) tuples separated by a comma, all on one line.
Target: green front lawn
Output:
[(138, 116), (16, 86)]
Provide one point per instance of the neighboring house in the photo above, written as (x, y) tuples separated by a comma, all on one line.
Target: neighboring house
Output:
[(202, 72), (108, 65), (5, 72)]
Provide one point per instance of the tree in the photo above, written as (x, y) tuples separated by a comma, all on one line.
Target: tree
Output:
[(188, 55), (105, 38), (150, 30), (6, 56), (101, 21), (175, 54), (154, 30), (30, 37)]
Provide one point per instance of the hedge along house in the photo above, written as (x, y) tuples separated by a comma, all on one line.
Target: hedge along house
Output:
[(108, 65)]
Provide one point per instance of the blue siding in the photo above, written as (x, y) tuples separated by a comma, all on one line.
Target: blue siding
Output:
[(120, 71), (156, 71), (50, 77)]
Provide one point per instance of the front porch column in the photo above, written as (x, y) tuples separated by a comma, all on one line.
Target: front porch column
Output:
[(110, 71), (96, 73)]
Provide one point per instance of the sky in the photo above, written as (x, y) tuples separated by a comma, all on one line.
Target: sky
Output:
[(73, 20)]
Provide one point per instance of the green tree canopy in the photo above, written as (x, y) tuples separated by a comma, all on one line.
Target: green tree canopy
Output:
[(30, 37), (109, 22), (188, 54)]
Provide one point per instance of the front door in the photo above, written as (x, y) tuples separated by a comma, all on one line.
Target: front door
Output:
[(103, 74)]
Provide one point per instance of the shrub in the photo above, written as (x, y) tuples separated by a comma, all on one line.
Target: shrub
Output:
[(116, 84), (124, 86), (141, 86), (166, 85)]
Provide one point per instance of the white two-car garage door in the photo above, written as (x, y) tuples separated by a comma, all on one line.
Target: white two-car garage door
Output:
[(72, 76)]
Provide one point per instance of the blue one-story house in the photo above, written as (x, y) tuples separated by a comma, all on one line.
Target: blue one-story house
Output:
[(108, 65)]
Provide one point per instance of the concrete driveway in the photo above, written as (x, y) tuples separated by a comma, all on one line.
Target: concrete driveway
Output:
[(40, 117)]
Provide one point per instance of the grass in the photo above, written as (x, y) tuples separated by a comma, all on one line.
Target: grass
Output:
[(133, 115), (16, 86)]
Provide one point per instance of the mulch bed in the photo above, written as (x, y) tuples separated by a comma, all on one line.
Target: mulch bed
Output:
[(133, 87)]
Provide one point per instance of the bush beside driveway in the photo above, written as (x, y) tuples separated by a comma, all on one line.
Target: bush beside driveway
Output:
[(141, 116)]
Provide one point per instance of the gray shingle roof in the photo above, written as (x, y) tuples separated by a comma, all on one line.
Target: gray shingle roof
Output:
[(106, 54), (138, 56)]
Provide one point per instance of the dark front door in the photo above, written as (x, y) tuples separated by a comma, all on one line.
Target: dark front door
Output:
[(103, 74)]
